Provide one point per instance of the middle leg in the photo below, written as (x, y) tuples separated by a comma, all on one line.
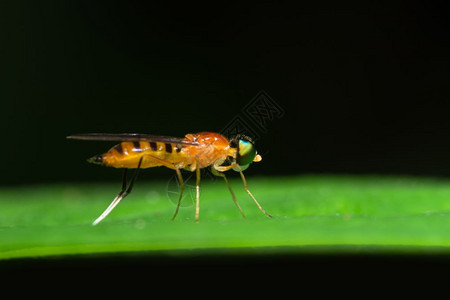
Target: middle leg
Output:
[(180, 180), (197, 198)]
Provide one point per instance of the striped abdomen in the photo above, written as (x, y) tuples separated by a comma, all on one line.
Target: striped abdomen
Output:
[(128, 154)]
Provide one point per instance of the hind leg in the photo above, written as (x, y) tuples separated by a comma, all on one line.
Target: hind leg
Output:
[(123, 193)]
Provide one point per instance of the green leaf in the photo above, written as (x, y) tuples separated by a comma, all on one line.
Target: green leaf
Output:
[(311, 213)]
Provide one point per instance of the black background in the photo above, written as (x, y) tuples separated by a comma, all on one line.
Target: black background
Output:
[(364, 85)]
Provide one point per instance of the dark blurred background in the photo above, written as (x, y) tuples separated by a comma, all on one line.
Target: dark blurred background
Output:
[(363, 86)]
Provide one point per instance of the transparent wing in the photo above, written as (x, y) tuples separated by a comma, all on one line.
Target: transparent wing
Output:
[(132, 137)]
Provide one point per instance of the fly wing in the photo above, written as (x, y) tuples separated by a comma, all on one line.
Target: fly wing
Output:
[(132, 137)]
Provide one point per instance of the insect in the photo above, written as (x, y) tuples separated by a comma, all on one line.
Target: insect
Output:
[(193, 152)]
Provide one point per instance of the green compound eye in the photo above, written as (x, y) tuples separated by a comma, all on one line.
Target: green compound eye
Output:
[(246, 153)]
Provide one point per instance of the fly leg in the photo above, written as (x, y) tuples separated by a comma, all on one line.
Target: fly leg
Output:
[(226, 168), (123, 193), (115, 201), (217, 173), (173, 167), (180, 180), (197, 198), (250, 194)]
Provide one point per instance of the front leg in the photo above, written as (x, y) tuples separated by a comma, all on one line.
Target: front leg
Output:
[(217, 173), (224, 168)]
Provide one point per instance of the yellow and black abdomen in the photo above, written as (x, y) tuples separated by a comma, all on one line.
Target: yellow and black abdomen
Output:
[(128, 154)]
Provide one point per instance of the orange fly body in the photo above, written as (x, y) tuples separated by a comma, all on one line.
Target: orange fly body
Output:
[(193, 152)]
